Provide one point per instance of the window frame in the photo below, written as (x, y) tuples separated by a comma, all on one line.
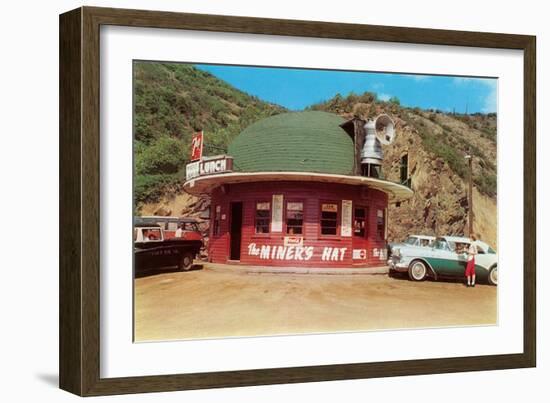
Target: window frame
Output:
[(285, 215), (338, 217), (366, 220), (268, 233), (404, 168), (381, 235)]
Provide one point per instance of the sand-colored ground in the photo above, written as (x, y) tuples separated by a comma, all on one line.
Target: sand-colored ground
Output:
[(221, 303)]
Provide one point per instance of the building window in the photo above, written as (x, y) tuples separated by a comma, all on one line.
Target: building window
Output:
[(263, 215), (360, 222), (380, 224), (329, 218), (217, 218), (404, 169), (294, 218)]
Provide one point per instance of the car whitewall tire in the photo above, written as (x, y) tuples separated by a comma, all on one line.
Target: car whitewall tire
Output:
[(418, 271), (186, 261), (493, 276)]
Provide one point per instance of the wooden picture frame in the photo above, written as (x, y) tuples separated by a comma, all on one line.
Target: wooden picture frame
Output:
[(79, 346)]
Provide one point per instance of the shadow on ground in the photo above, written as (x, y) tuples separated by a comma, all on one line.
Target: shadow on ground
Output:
[(164, 270), (452, 280)]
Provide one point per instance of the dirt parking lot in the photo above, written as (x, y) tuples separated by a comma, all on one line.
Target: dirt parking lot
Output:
[(211, 303)]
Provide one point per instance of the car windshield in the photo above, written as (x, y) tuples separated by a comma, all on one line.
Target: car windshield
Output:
[(411, 240), (191, 226), (152, 234)]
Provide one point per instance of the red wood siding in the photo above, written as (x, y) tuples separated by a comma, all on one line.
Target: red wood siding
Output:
[(312, 194)]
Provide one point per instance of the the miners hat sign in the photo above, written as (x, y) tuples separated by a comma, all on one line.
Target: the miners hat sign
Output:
[(196, 146)]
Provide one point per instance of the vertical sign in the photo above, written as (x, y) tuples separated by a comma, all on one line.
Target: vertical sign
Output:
[(277, 214), (196, 146), (346, 218)]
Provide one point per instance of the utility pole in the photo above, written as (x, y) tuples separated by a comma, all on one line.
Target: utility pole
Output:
[(470, 196)]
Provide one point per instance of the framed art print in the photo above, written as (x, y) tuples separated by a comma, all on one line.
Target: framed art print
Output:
[(251, 201)]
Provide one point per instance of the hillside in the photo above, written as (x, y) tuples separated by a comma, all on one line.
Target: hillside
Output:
[(436, 143), (172, 101)]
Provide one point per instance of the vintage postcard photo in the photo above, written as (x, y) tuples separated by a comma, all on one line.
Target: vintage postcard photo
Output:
[(276, 201)]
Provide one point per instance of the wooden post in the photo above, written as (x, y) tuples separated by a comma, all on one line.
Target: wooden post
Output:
[(470, 197)]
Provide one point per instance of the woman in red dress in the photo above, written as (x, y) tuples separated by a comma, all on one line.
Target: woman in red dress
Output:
[(471, 264)]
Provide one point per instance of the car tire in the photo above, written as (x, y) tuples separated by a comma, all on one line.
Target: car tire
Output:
[(418, 271), (492, 278), (186, 261)]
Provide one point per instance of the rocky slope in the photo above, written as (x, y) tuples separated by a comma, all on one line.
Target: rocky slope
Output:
[(439, 205), (436, 144)]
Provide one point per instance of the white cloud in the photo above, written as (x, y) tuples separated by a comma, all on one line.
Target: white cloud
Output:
[(420, 78), (489, 100), (384, 97)]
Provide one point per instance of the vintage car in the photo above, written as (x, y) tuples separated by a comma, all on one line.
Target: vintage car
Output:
[(152, 250), (421, 241), (188, 226), (445, 258)]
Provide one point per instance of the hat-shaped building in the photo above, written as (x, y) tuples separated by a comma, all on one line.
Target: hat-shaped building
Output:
[(297, 189)]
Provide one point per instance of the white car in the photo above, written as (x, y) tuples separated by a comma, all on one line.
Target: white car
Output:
[(445, 259), (420, 241)]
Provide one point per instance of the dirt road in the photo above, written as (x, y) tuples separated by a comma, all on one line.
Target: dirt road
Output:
[(219, 303)]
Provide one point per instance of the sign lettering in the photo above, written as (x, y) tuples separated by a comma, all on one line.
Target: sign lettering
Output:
[(295, 252), (293, 241), (329, 207), (197, 146), (359, 253), (333, 254), (277, 214), (209, 166), (278, 252), (346, 217)]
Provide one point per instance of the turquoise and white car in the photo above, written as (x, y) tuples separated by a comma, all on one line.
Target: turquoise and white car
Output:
[(445, 258), (420, 241)]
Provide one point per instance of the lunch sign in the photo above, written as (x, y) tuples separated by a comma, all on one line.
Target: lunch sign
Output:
[(202, 166), (209, 166)]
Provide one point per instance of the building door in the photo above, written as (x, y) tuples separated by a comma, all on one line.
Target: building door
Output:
[(236, 230)]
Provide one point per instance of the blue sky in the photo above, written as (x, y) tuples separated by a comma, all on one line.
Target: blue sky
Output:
[(298, 88)]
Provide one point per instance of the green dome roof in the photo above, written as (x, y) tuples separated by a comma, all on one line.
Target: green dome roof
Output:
[(296, 141)]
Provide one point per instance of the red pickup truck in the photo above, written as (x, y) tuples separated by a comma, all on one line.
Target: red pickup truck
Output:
[(188, 227)]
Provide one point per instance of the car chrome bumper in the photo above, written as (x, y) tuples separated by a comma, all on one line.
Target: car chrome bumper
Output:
[(398, 266)]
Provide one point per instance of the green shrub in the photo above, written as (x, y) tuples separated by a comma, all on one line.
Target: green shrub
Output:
[(486, 183), (435, 145), (395, 101), (171, 102), (150, 188), (166, 155)]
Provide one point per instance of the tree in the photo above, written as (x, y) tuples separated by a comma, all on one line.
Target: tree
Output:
[(394, 100)]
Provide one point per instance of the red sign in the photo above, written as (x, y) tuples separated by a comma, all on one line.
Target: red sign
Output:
[(196, 146)]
